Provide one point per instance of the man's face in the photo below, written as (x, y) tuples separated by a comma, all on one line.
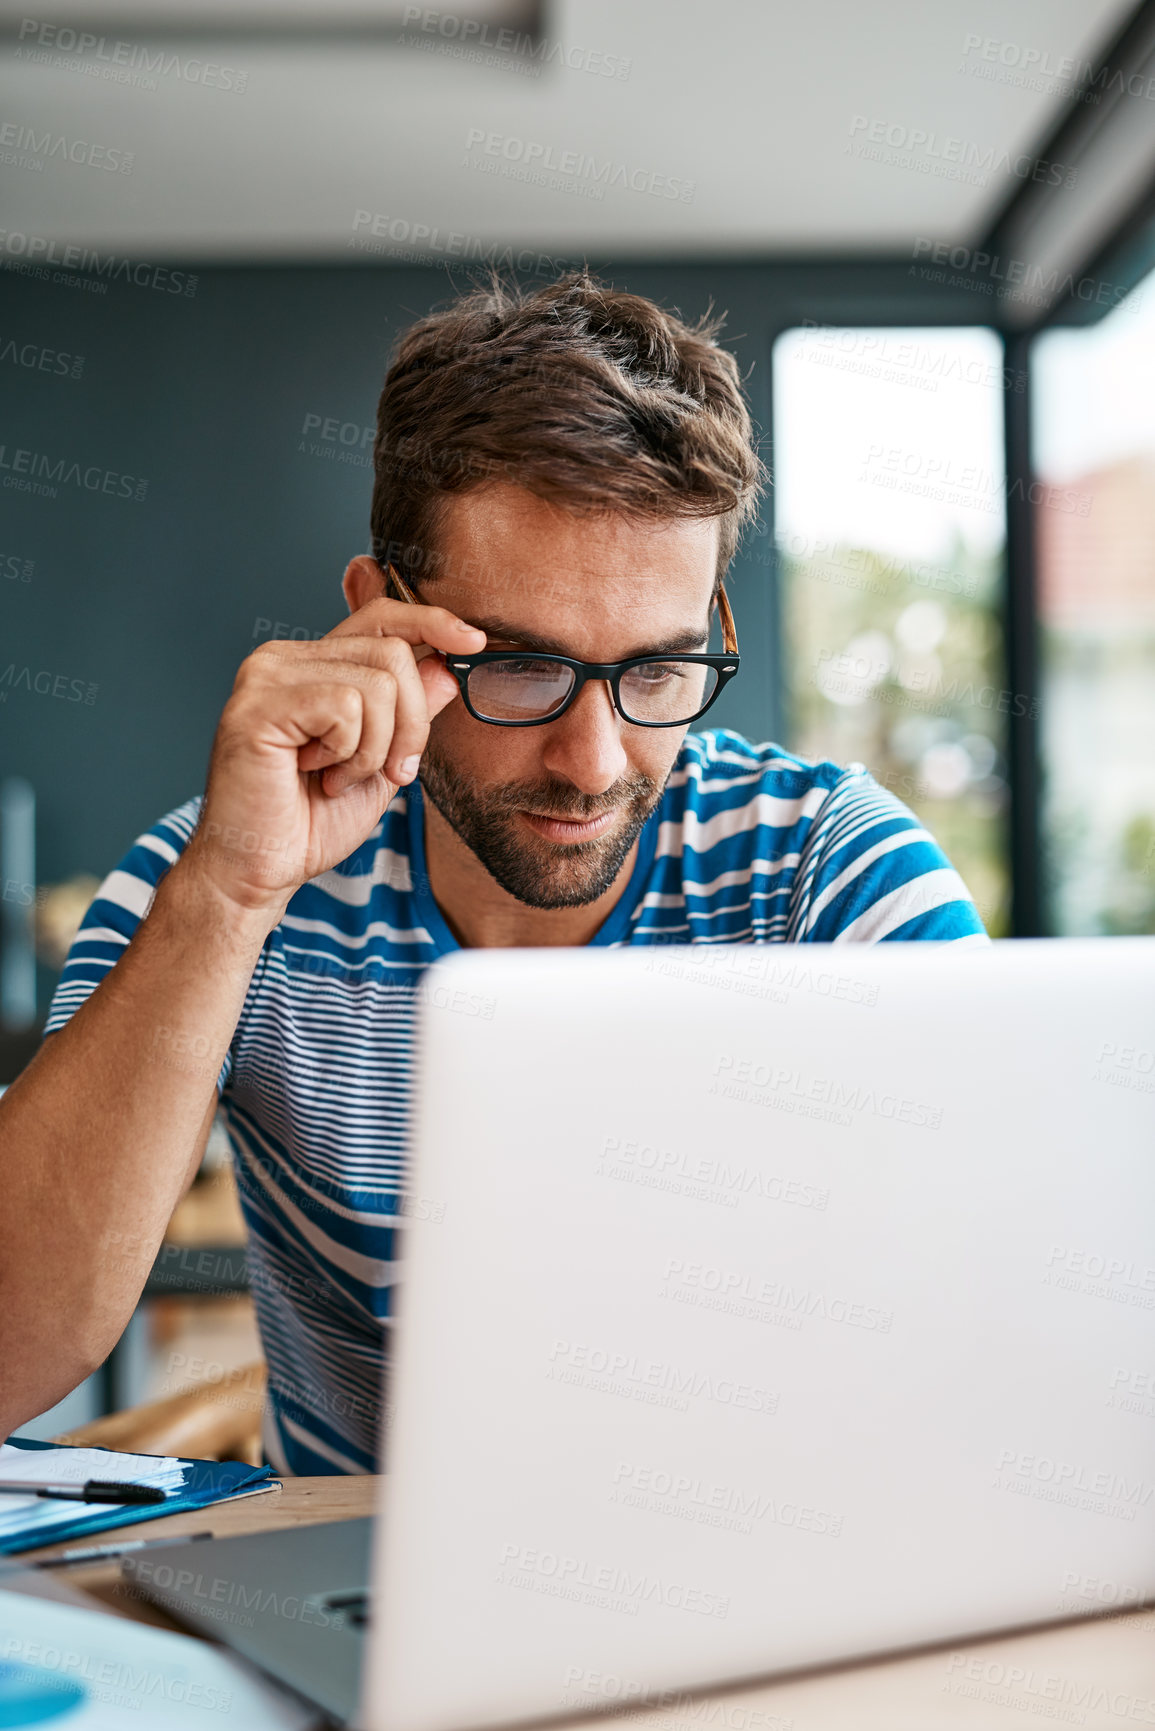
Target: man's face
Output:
[(553, 811)]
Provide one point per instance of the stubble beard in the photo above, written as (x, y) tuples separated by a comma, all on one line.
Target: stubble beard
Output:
[(536, 871)]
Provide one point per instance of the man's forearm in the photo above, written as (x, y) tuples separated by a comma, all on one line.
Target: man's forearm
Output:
[(99, 1136)]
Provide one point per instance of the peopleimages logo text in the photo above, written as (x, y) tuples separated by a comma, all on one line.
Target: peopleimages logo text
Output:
[(45, 683), (39, 146), (536, 51), (529, 1564), (984, 159), (99, 54), (36, 471), (575, 165), (1017, 278), (37, 249)]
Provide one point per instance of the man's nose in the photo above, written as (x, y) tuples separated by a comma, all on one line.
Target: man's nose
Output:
[(585, 744)]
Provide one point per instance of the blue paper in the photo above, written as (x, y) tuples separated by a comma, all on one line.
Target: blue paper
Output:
[(29, 1695), (205, 1482)]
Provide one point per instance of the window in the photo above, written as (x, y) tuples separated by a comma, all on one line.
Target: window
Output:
[(890, 509), (1093, 437)]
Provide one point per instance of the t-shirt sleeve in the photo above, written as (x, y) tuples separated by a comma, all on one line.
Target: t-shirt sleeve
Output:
[(116, 910), (870, 873)]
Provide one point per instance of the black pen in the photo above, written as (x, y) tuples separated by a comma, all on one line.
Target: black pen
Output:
[(92, 1491)]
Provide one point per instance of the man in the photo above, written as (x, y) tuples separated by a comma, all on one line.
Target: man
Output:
[(560, 478)]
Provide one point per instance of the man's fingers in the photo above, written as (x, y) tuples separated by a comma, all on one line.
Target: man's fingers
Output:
[(328, 721), (335, 657), (394, 730), (374, 792), (395, 714), (433, 625), (380, 707), (410, 723), (382, 696), (440, 685)]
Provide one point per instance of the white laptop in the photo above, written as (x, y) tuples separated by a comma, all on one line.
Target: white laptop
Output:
[(763, 1308)]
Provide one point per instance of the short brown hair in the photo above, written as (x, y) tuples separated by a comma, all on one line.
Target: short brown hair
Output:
[(595, 399)]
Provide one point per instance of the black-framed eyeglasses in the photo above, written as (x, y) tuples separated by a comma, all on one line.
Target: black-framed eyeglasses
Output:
[(524, 688)]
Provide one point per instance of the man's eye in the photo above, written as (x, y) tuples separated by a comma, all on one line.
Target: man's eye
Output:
[(524, 667), (659, 672)]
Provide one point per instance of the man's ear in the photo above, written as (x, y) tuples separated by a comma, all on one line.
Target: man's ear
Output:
[(363, 581)]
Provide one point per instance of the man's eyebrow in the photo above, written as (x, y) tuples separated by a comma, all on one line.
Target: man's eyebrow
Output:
[(680, 643)]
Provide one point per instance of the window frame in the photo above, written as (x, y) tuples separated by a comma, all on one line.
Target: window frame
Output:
[(1018, 611)]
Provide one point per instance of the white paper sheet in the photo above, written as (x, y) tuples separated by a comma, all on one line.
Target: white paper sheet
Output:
[(74, 1466)]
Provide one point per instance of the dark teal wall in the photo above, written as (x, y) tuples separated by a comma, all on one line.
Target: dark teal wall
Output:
[(153, 601)]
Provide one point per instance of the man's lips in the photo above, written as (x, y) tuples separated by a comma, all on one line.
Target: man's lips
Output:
[(567, 829)]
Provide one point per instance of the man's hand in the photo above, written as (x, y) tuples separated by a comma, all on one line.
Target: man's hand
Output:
[(313, 744)]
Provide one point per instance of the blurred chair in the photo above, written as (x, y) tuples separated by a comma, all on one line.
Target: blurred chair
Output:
[(217, 1420)]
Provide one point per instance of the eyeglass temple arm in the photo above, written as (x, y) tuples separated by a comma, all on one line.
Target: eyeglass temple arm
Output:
[(726, 618), (394, 576)]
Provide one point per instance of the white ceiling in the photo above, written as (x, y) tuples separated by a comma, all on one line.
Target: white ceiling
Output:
[(758, 103)]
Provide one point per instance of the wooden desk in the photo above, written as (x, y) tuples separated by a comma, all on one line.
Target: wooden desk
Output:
[(299, 1503), (1097, 1674)]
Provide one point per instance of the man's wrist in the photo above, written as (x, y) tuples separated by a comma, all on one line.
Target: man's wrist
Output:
[(203, 900)]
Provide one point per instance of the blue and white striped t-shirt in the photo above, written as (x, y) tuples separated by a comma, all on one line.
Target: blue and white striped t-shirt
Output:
[(748, 845)]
